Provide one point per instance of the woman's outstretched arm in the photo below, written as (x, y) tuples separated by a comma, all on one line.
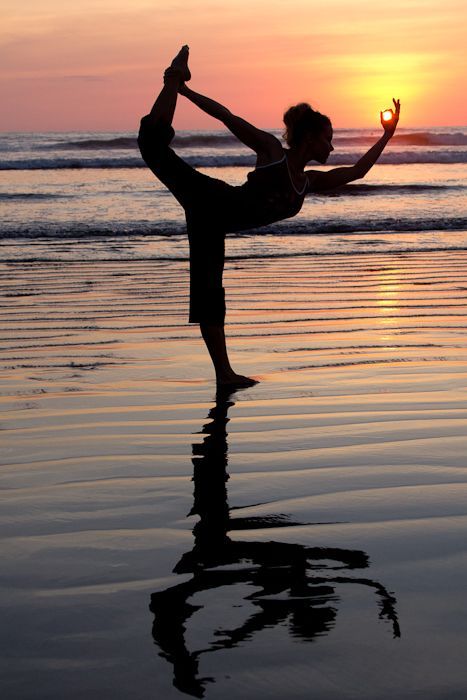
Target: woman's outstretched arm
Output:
[(319, 181), (261, 142)]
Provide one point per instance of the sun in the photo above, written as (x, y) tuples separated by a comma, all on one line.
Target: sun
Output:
[(370, 81)]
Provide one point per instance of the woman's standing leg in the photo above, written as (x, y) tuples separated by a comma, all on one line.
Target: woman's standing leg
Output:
[(214, 338), (207, 299)]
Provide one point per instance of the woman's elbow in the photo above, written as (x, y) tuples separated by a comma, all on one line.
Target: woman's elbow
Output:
[(358, 172)]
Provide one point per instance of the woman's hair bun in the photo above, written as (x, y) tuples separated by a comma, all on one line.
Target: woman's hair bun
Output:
[(296, 113), (302, 119)]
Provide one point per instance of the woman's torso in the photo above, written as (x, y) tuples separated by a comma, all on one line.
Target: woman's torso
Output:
[(268, 195)]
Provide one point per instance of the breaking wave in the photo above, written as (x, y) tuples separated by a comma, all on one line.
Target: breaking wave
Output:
[(292, 227), (233, 160), (225, 139)]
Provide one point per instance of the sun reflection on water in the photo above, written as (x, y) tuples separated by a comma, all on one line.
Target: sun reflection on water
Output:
[(388, 292)]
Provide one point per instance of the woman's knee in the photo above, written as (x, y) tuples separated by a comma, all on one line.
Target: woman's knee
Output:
[(154, 134), (207, 305)]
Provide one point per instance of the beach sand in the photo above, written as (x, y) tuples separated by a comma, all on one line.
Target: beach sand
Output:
[(319, 551)]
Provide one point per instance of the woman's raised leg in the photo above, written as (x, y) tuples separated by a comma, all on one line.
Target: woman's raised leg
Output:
[(163, 109)]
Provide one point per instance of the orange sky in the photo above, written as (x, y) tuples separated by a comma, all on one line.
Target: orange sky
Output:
[(97, 64)]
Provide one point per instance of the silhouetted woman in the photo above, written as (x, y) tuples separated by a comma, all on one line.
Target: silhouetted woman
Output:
[(274, 190)]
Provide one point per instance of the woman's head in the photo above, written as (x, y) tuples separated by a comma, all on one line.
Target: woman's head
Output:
[(304, 125)]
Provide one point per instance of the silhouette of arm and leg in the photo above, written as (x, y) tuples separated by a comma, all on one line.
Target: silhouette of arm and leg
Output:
[(199, 195)]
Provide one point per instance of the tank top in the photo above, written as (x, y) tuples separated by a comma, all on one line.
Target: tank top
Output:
[(268, 195)]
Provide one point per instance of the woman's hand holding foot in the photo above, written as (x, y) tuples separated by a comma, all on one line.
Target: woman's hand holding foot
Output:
[(172, 75)]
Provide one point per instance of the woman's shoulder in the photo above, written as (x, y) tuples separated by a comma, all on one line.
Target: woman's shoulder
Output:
[(263, 163), (271, 174), (271, 149)]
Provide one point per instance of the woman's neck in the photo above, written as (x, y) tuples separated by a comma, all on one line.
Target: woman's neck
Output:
[(297, 160), (296, 172)]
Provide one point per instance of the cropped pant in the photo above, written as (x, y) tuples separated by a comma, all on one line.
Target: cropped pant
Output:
[(203, 199)]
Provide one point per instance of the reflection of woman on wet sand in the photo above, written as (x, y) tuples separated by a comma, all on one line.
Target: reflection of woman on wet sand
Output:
[(287, 585), (275, 190)]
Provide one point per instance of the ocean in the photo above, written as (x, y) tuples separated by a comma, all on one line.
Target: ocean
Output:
[(87, 195)]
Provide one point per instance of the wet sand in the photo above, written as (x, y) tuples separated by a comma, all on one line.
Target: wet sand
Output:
[(304, 538)]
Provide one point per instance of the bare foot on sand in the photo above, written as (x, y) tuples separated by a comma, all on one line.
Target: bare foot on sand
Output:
[(180, 63), (235, 380)]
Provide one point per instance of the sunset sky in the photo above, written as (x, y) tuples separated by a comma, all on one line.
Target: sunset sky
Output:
[(97, 64)]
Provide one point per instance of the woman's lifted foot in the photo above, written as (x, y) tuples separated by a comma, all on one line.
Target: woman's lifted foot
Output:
[(180, 63)]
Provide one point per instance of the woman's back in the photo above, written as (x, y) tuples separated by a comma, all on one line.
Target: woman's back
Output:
[(268, 195)]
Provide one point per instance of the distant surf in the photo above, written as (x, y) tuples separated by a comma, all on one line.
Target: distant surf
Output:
[(202, 139), (216, 149)]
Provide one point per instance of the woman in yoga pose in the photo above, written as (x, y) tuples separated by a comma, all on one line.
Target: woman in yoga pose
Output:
[(275, 190)]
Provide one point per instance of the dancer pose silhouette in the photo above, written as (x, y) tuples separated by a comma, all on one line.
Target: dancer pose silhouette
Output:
[(274, 190)]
